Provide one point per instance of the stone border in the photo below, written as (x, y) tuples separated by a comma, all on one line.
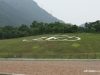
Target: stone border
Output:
[(29, 59)]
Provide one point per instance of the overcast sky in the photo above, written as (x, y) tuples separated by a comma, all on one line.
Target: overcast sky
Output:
[(72, 11)]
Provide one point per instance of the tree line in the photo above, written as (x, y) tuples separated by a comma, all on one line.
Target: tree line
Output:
[(38, 28)]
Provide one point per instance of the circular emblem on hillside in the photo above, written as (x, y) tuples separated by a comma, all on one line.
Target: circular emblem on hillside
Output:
[(55, 38)]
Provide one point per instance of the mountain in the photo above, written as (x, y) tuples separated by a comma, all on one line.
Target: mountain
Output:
[(10, 16), (17, 12), (82, 25)]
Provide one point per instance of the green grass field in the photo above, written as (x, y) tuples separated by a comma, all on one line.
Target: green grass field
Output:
[(89, 44)]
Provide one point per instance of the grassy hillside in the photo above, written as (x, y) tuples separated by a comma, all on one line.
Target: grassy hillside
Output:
[(89, 43)]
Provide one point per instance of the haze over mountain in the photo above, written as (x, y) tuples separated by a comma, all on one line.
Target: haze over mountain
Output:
[(17, 12)]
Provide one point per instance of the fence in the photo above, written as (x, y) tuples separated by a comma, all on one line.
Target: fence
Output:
[(53, 56)]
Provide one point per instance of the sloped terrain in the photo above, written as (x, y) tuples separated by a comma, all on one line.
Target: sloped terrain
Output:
[(87, 47), (17, 12)]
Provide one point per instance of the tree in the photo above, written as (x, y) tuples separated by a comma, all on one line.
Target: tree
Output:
[(42, 30), (8, 28), (74, 28), (23, 27), (81, 29), (34, 24), (93, 29), (24, 30), (34, 31), (86, 25), (1, 32), (7, 32)]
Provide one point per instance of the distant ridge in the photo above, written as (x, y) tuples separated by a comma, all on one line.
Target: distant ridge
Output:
[(17, 12)]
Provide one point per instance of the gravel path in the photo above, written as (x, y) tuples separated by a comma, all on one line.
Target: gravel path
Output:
[(51, 67)]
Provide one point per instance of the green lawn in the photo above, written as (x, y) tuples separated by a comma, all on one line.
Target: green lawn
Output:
[(89, 44)]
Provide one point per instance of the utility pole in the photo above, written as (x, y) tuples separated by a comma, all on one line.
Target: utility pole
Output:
[(41, 6), (51, 12)]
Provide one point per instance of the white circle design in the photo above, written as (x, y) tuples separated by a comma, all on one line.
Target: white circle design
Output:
[(55, 38)]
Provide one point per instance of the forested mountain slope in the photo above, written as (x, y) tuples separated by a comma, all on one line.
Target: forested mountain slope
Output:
[(17, 12)]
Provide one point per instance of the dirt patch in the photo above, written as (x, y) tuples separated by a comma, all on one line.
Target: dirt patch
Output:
[(50, 67)]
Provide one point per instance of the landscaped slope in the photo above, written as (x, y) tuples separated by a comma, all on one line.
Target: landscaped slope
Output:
[(89, 43)]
